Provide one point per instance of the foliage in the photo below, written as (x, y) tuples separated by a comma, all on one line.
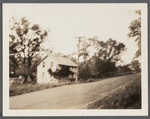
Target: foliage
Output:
[(24, 43), (124, 69), (103, 62), (12, 66), (136, 65), (110, 50), (62, 71), (84, 70), (135, 32)]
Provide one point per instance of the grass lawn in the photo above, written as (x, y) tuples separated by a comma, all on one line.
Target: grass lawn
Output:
[(18, 89), (128, 97)]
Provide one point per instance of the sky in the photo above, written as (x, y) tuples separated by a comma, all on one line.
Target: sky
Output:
[(68, 21)]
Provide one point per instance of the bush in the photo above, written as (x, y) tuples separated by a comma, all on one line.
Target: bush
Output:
[(71, 79)]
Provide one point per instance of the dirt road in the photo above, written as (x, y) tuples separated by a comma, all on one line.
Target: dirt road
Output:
[(70, 96)]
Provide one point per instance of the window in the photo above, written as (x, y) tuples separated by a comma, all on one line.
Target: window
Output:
[(43, 75), (43, 64), (51, 64)]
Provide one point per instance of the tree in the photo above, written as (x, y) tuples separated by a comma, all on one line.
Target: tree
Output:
[(95, 66), (124, 69), (108, 53), (13, 63), (136, 65), (84, 49), (85, 70), (135, 32), (24, 43), (85, 65), (102, 63), (12, 66), (110, 50)]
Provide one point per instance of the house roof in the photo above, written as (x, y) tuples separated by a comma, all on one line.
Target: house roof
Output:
[(60, 60), (41, 60)]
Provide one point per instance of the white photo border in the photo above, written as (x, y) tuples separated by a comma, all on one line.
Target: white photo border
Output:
[(78, 112)]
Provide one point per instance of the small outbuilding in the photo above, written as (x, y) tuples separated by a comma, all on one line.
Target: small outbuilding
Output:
[(51, 63)]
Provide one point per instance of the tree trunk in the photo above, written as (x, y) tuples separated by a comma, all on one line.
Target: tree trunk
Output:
[(32, 79), (25, 79), (65, 80)]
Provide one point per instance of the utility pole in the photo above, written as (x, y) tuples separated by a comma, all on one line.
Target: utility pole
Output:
[(79, 39)]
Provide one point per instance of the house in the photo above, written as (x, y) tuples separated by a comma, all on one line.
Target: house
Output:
[(53, 63)]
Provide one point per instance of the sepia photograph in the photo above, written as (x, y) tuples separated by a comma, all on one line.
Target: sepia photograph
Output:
[(75, 59)]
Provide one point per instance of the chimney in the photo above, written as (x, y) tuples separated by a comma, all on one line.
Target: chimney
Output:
[(50, 52)]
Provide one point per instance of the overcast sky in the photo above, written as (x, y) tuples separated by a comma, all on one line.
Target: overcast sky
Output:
[(67, 21)]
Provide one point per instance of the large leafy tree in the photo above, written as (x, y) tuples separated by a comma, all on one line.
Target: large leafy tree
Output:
[(24, 44), (102, 63), (108, 54), (110, 50), (135, 32)]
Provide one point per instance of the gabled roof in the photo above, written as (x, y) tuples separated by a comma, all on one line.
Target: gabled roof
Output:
[(64, 61), (41, 60), (60, 60)]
